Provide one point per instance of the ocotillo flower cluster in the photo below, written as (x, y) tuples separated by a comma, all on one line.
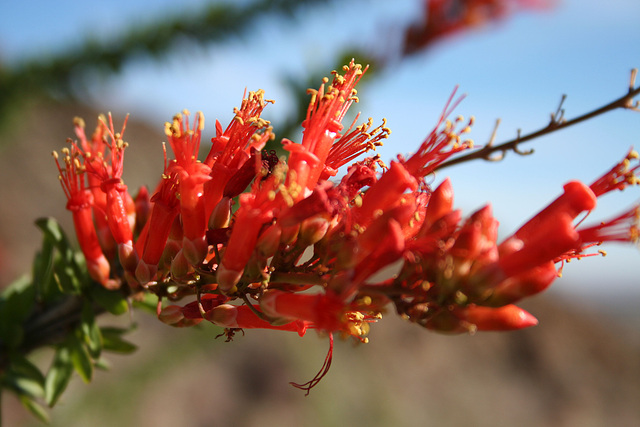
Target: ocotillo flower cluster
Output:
[(299, 242)]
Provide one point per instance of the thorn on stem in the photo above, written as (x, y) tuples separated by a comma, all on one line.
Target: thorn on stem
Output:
[(558, 117)]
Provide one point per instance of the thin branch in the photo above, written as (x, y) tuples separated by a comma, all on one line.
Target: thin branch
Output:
[(557, 122)]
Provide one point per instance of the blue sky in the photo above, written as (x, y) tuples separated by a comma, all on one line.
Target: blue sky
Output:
[(516, 70)]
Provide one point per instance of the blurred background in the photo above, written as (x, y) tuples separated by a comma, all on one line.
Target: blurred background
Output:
[(151, 59)]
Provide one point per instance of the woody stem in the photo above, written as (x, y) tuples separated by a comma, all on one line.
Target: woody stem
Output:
[(556, 124)]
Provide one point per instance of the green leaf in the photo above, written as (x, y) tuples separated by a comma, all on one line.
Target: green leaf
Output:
[(25, 377), (69, 269), (81, 359), (42, 271), (54, 234), (103, 364), (90, 331), (36, 409), (58, 376), (112, 340), (16, 304), (112, 301), (66, 277)]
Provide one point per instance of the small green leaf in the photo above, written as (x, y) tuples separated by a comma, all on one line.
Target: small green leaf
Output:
[(112, 341), (103, 364), (16, 304), (81, 359), (66, 276), (36, 409), (90, 331), (25, 376), (19, 296), (58, 376), (54, 233), (42, 271), (112, 301)]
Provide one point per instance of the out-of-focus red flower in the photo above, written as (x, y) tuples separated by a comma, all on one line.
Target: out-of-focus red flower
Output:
[(443, 18)]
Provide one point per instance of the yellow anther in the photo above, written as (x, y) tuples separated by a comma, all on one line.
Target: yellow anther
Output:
[(77, 121), (200, 121)]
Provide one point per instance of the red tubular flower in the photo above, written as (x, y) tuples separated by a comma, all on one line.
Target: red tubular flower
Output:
[(619, 177), (515, 288), (553, 239), (119, 204), (165, 209), (440, 204), (243, 317), (173, 315), (476, 240), (80, 201), (325, 312), (390, 246), (353, 144), (506, 318), (206, 303), (477, 318), (444, 141), (311, 251), (192, 175), (623, 228), (96, 149), (249, 219), (143, 208), (232, 147), (322, 125), (577, 198), (385, 193), (316, 203), (301, 164)]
